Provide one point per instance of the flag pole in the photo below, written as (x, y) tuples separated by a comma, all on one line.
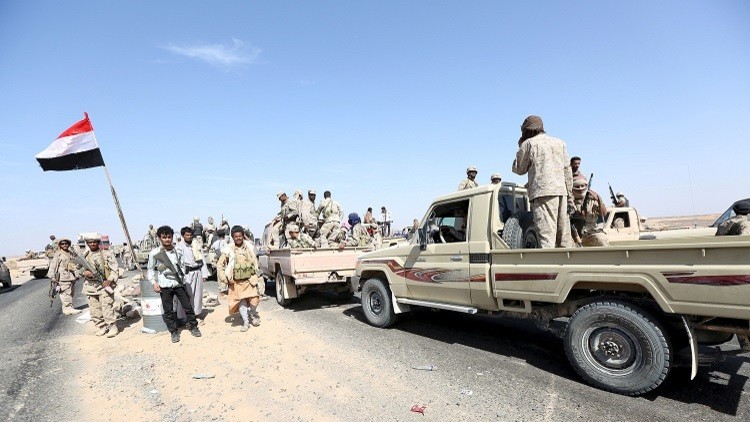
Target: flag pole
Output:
[(122, 221)]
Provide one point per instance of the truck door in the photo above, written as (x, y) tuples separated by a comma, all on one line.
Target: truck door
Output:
[(441, 272)]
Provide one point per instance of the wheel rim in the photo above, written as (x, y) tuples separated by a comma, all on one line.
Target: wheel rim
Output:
[(613, 350), (375, 301)]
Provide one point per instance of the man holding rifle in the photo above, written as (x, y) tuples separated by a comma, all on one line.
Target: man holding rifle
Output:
[(100, 274), (63, 272), (167, 277)]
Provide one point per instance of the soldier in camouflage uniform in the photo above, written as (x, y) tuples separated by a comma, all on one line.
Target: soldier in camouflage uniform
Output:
[(358, 236), (739, 224), (289, 214), (469, 182), (592, 234), (64, 272), (495, 179), (307, 214), (299, 240), (546, 161), (332, 214), (99, 287), (127, 257), (52, 247)]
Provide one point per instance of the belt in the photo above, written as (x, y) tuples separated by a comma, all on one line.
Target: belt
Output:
[(196, 268)]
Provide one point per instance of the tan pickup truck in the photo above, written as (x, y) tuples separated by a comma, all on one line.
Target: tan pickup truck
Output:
[(296, 271), (631, 311)]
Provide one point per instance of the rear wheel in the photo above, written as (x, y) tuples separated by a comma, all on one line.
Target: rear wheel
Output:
[(281, 281), (618, 347), (377, 303)]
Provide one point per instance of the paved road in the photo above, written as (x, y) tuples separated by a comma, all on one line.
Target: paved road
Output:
[(35, 375), (514, 370)]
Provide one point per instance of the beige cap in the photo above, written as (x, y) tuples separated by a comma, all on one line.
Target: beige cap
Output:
[(472, 168), (495, 176), (93, 236), (280, 194), (311, 192), (293, 228)]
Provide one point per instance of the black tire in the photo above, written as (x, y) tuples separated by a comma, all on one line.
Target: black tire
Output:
[(377, 303), (516, 228), (530, 238), (281, 280), (618, 347)]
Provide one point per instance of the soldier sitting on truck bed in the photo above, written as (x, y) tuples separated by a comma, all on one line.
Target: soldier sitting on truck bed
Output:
[(299, 240), (359, 236), (591, 234), (739, 224)]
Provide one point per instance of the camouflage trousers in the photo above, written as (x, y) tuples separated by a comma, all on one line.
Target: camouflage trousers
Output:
[(551, 221), (595, 239), (101, 305), (66, 293), (328, 232)]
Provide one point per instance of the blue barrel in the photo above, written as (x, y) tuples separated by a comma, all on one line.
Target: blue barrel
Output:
[(151, 309)]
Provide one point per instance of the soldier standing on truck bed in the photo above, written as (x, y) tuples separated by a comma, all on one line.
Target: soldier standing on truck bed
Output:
[(546, 161), (307, 214), (469, 182), (332, 214), (739, 224)]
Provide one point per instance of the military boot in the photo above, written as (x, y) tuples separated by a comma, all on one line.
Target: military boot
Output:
[(255, 320), (69, 310), (113, 331), (102, 330)]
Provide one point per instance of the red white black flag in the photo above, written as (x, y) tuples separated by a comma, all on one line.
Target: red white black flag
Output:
[(74, 149)]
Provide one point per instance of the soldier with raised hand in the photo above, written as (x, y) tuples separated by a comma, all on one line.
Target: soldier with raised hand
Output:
[(299, 240), (238, 267), (469, 182), (332, 214), (98, 286), (546, 161), (64, 271), (739, 224)]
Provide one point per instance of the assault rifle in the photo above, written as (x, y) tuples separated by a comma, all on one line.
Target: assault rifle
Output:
[(612, 195), (54, 289), (577, 219), (163, 259)]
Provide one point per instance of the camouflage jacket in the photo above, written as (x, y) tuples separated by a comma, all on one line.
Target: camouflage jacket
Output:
[(546, 161), (303, 240), (737, 225), (104, 263), (467, 184), (62, 267), (331, 210)]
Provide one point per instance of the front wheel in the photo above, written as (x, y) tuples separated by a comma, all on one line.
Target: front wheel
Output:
[(618, 347), (377, 303), (281, 281)]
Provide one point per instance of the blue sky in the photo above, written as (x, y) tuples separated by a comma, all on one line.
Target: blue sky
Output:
[(208, 109)]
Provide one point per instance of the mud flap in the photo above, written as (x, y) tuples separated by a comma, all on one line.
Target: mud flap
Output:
[(399, 308), (693, 348)]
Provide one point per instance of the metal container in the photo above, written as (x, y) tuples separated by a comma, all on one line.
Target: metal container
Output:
[(151, 309)]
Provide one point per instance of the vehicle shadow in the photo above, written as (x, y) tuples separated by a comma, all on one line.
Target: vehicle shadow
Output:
[(719, 387), (516, 338), (4, 290), (315, 300)]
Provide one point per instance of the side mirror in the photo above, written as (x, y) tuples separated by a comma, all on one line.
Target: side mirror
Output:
[(422, 238)]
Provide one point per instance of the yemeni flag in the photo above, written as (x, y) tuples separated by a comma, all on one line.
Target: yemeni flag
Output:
[(74, 149)]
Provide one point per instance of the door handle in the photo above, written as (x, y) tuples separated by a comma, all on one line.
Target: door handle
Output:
[(456, 258)]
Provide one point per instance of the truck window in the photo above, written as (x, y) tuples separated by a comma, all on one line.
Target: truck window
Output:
[(621, 220), (505, 201), (448, 222)]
